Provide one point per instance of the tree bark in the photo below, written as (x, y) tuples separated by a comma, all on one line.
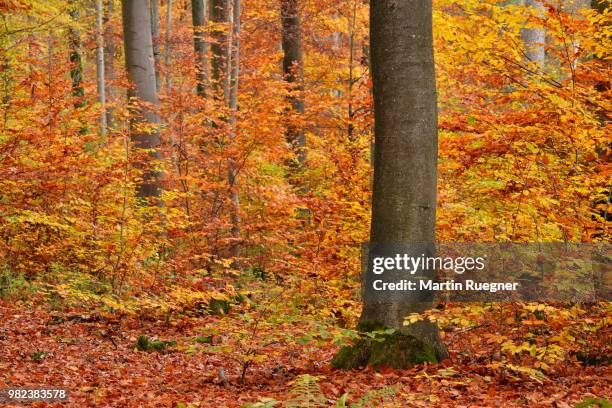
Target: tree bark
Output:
[(235, 56), (225, 69), (351, 81), (233, 105), (405, 172), (575, 7), (144, 102), (200, 45), (76, 61), (219, 14), (156, 39), (100, 71), (168, 47), (534, 39), (109, 62), (293, 71)]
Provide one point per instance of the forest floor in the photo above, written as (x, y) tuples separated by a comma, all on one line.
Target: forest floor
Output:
[(95, 358)]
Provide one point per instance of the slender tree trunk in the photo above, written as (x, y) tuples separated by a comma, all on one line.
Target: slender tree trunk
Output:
[(293, 71), (109, 62), (76, 61), (575, 8), (156, 40), (100, 71), (577, 5), (534, 39), (7, 78), (351, 80), (405, 172), (365, 49), (225, 69), (233, 105), (235, 55), (144, 102), (200, 46), (219, 13), (168, 46), (336, 40)]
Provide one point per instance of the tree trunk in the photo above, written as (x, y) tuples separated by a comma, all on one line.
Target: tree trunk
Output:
[(156, 38), (405, 173), (200, 46), (293, 71), (76, 62), (233, 105), (109, 62), (144, 102), (351, 81), (168, 46), (100, 71), (575, 7), (219, 14), (534, 39), (225, 68)]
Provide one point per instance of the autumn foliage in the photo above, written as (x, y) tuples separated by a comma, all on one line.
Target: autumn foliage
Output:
[(524, 156)]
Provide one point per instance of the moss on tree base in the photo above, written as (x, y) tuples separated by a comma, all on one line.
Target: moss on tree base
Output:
[(395, 350)]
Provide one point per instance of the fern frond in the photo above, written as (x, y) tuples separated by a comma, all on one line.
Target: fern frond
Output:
[(306, 393)]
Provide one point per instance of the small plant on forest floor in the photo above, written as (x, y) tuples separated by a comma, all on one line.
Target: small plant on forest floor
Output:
[(39, 355), (14, 285), (594, 402), (306, 392), (145, 344)]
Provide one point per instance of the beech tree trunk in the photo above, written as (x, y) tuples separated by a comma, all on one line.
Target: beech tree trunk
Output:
[(351, 81), (219, 13), (200, 45), (156, 38), (575, 7), (235, 57), (233, 105), (168, 47), (76, 61), (100, 71), (534, 39), (109, 62), (225, 69), (144, 102), (293, 71), (405, 173)]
